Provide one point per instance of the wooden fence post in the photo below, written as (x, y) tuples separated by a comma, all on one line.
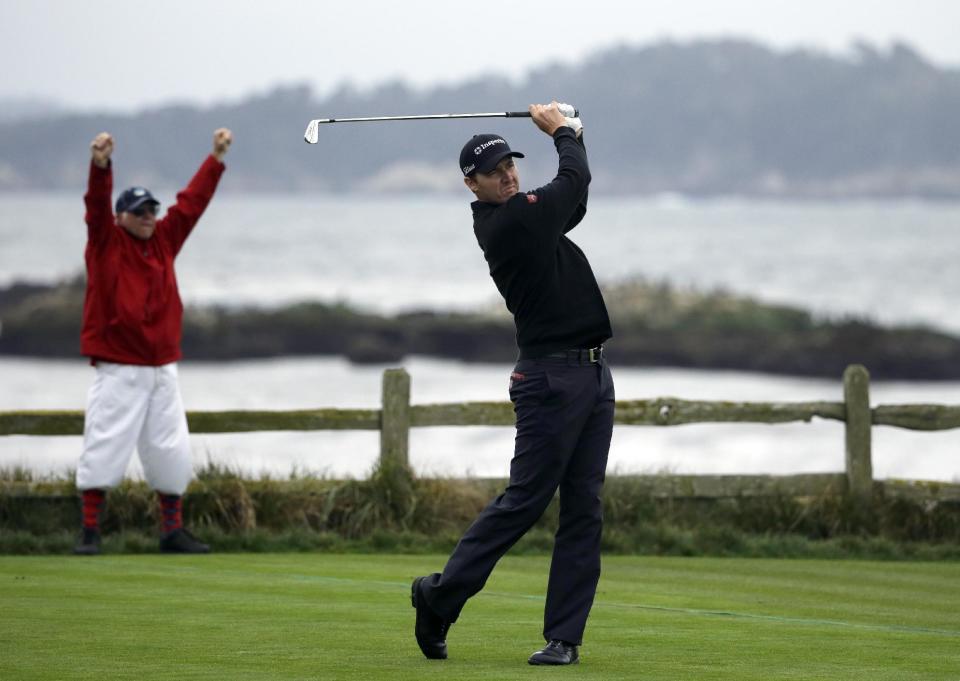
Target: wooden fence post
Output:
[(856, 395), (395, 419)]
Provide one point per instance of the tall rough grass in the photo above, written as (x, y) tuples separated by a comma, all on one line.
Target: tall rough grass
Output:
[(394, 510)]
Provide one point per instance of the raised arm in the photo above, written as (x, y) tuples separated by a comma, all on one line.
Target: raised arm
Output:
[(99, 215), (581, 208), (557, 207), (193, 200)]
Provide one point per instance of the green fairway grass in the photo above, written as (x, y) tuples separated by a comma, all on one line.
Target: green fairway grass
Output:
[(330, 616)]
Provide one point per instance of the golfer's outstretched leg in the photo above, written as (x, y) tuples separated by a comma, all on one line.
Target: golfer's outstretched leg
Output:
[(535, 473), (548, 426)]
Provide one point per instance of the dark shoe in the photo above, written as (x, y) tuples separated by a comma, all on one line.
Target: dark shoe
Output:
[(430, 629), (181, 541), (556, 652), (89, 542)]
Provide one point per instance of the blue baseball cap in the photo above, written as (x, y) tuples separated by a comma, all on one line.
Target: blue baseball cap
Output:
[(133, 197)]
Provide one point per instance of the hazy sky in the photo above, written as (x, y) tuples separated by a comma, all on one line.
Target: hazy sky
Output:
[(126, 54)]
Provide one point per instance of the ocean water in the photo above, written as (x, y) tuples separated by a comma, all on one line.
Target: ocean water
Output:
[(890, 261)]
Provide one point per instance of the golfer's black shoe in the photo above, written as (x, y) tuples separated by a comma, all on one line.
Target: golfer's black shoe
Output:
[(430, 629), (89, 542), (181, 541), (556, 652)]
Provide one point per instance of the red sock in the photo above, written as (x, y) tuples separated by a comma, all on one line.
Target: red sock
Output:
[(92, 505), (171, 507)]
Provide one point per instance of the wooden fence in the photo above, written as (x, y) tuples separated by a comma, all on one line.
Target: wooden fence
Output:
[(397, 416)]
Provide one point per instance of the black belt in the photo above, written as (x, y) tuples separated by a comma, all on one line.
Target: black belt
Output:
[(572, 356)]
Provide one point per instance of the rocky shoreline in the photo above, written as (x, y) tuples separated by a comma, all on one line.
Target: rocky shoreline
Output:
[(654, 325)]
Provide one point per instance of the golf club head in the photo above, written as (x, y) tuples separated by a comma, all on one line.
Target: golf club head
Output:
[(312, 134)]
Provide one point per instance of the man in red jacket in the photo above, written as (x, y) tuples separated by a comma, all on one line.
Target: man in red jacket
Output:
[(132, 319)]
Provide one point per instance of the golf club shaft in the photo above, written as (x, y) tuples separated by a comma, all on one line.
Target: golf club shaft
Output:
[(312, 132), (501, 114)]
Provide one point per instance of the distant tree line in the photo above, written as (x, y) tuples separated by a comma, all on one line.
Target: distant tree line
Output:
[(700, 118)]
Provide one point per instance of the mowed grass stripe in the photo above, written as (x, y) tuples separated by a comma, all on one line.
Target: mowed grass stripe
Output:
[(393, 586), (874, 592), (294, 616)]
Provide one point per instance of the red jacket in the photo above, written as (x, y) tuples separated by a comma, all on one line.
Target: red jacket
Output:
[(132, 312)]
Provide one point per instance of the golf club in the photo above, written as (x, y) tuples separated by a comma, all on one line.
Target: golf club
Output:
[(312, 133)]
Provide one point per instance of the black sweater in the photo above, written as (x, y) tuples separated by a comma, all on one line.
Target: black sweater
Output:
[(543, 276)]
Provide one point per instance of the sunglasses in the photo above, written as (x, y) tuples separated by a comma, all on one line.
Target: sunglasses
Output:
[(145, 209)]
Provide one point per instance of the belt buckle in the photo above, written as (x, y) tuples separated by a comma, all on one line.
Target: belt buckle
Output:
[(595, 354)]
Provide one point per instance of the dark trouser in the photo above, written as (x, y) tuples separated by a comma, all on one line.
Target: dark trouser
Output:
[(564, 424)]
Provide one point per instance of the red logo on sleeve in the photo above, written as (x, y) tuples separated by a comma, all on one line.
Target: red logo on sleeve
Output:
[(531, 198)]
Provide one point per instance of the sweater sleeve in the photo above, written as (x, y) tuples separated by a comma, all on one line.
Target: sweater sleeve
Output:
[(581, 208), (192, 201), (557, 207), (99, 214)]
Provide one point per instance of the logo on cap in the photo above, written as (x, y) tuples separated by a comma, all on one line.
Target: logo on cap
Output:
[(479, 150)]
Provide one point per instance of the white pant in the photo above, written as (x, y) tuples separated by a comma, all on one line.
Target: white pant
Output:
[(140, 406)]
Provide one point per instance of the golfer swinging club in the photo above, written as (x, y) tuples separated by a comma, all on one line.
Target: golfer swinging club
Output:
[(561, 389)]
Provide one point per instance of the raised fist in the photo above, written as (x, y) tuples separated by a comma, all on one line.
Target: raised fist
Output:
[(222, 137), (101, 148)]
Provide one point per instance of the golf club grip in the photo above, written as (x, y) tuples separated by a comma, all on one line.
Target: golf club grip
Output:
[(526, 114)]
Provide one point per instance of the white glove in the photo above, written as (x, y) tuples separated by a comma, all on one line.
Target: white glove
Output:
[(573, 121)]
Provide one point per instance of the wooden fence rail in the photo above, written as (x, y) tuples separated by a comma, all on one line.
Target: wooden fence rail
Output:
[(397, 416)]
